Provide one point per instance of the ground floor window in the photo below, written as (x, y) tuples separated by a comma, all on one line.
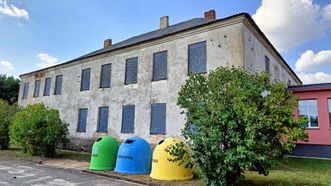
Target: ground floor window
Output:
[(308, 109), (82, 120), (329, 106), (128, 113), (158, 118), (103, 119)]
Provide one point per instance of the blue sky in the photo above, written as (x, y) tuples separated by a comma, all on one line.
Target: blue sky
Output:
[(39, 33)]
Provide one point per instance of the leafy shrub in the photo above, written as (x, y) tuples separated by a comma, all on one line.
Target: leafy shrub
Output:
[(236, 121), (38, 130), (7, 114)]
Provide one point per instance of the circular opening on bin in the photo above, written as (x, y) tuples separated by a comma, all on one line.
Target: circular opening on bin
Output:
[(161, 142), (129, 141), (99, 139)]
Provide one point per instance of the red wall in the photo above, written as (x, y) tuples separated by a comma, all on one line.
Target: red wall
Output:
[(321, 135)]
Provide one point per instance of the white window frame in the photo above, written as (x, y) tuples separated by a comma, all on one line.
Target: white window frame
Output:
[(308, 113)]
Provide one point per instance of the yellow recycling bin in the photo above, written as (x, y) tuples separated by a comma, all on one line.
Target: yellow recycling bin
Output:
[(162, 169)]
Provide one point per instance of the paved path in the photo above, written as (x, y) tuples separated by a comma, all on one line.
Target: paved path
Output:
[(27, 173)]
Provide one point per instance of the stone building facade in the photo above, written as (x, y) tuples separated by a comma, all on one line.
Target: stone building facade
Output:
[(130, 88)]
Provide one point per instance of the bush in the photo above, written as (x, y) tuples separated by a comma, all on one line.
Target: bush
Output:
[(38, 130), (237, 121), (7, 114)]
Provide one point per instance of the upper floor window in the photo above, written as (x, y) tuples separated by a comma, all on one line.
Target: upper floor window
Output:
[(309, 110), (105, 76), (197, 57), (158, 118), (131, 71), (329, 107), (47, 87), (82, 120), (103, 119), (128, 113), (160, 65), (267, 64), (36, 88), (85, 81), (58, 85), (25, 91)]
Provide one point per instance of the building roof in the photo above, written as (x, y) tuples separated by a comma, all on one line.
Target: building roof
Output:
[(159, 33), (310, 87)]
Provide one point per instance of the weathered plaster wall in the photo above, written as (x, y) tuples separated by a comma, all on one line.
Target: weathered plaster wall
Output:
[(224, 47)]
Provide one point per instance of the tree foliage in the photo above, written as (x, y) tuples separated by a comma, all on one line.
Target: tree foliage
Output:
[(7, 115), (237, 121), (38, 130), (9, 88)]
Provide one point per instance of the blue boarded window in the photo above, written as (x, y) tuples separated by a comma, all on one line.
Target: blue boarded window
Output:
[(158, 118), (105, 76), (197, 58), (36, 88), (47, 87), (267, 64), (58, 85), (82, 120), (160, 65), (85, 81), (103, 119), (131, 71), (128, 113), (25, 91)]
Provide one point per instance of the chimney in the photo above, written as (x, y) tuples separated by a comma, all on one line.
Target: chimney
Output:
[(211, 14), (106, 43), (164, 22)]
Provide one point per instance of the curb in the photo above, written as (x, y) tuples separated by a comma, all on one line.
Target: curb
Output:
[(120, 177)]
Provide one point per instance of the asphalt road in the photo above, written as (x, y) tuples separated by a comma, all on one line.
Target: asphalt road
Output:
[(27, 173)]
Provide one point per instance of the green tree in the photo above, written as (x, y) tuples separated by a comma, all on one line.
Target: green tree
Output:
[(9, 88), (236, 121), (7, 115), (38, 130)]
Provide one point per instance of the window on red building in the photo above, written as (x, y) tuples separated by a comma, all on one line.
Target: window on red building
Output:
[(329, 103), (308, 109)]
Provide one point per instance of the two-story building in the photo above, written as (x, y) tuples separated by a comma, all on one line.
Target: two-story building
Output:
[(131, 88)]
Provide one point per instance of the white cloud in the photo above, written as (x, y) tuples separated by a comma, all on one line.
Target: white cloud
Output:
[(289, 23), (311, 78), (6, 67), (12, 10), (309, 61), (46, 60)]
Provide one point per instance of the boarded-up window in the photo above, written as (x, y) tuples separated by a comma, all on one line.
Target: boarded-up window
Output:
[(25, 91), (85, 82), (82, 120), (58, 85), (36, 88), (158, 118), (197, 58), (128, 113), (160, 65), (105, 76), (131, 71), (267, 64), (103, 119), (47, 88)]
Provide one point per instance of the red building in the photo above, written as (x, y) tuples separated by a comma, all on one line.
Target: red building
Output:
[(315, 104)]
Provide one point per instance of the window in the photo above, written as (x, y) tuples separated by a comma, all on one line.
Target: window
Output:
[(128, 113), (131, 70), (160, 65), (158, 118), (82, 120), (308, 109), (329, 106), (103, 119), (105, 76), (25, 91), (58, 85), (289, 82), (85, 82), (197, 58), (36, 88), (267, 64), (47, 87)]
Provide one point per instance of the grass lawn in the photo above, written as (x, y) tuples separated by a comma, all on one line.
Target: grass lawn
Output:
[(291, 171)]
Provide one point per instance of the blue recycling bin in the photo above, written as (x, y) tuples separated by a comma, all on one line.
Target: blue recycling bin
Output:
[(134, 157)]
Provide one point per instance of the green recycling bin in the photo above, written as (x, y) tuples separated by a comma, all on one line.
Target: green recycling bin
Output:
[(104, 152)]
